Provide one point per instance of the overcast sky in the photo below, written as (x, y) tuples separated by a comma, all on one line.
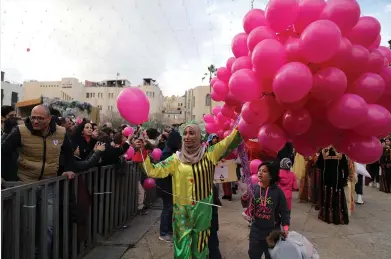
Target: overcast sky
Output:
[(172, 41)]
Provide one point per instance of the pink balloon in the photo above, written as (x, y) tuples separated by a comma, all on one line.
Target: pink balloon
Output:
[(128, 131), (343, 54), (229, 63), (365, 32), (296, 122), (156, 154), (385, 102), (242, 63), (220, 133), (386, 52), (280, 14), (321, 133), (262, 110), (213, 80), (247, 131), (347, 112), (303, 146), (227, 111), (344, 13), (365, 150), (375, 62), (254, 18), (320, 41), (239, 45), (208, 118), (357, 63), (227, 133), (294, 51), (378, 122), (329, 84), (149, 183), (129, 153), (254, 179), (292, 82), (244, 85), (296, 105), (211, 128), (309, 11), (375, 44), (232, 101), (133, 105), (221, 88), (216, 110), (259, 34), (217, 97), (221, 118), (223, 74), (268, 57), (271, 137), (78, 120), (386, 75), (254, 164), (369, 86)]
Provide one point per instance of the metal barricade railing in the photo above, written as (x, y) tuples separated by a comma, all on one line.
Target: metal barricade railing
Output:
[(59, 218)]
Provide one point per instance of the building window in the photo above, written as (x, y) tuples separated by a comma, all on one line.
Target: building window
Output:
[(2, 95), (153, 94), (193, 101), (87, 95), (207, 100)]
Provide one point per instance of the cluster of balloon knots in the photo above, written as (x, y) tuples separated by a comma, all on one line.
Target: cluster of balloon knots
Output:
[(309, 72)]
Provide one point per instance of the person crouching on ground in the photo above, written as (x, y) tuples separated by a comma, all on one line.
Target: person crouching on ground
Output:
[(287, 181), (268, 209)]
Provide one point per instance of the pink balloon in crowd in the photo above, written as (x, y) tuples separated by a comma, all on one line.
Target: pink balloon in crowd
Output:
[(211, 127), (78, 120), (320, 41), (149, 183), (244, 85), (386, 52), (294, 50), (213, 80), (216, 96), (156, 154), (261, 111), (239, 45), (216, 110), (357, 63), (254, 179), (221, 118), (375, 44), (362, 149), (247, 131), (386, 75), (129, 153), (347, 112), (369, 86), (375, 62), (296, 122), (208, 118), (133, 105), (343, 54), (271, 137), (329, 84), (385, 102), (242, 63), (280, 14), (259, 34), (268, 57), (344, 13), (309, 11), (128, 131), (365, 32), (303, 146), (223, 74), (253, 19), (227, 133), (221, 88), (227, 111), (292, 82), (378, 122), (254, 164), (229, 63)]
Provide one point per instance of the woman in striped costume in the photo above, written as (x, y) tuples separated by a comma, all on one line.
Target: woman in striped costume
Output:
[(192, 171)]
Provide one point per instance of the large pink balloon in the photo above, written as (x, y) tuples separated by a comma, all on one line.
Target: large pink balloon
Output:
[(294, 50), (365, 150), (344, 13), (254, 164), (365, 32), (357, 62), (216, 110), (221, 88), (309, 11), (244, 85), (375, 44), (227, 111), (329, 84), (242, 63), (149, 183), (369, 86), (254, 18), (321, 41), (296, 122), (386, 52), (223, 74), (239, 45), (385, 102), (262, 110), (292, 82), (259, 34), (216, 96), (268, 57), (213, 80), (229, 63), (247, 131), (271, 137), (208, 118), (133, 105), (303, 146), (280, 14), (211, 128), (342, 56), (378, 122), (347, 112), (375, 62), (386, 75)]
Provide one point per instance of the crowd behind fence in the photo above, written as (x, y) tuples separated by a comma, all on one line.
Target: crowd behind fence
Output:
[(84, 210)]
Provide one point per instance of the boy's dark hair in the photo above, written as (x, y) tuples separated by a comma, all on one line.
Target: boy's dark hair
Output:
[(104, 138), (6, 109), (152, 133), (273, 171), (107, 130), (117, 139), (9, 124)]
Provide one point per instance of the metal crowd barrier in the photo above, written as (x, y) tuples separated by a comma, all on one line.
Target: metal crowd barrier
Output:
[(84, 210)]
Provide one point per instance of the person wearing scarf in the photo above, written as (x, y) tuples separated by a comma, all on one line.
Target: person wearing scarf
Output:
[(192, 171)]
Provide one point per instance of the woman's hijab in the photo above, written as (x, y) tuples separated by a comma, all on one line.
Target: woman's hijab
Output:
[(192, 155)]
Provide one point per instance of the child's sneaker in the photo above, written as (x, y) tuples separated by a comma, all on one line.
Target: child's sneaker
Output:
[(167, 238)]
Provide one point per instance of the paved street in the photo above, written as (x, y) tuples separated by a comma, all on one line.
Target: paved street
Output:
[(367, 236)]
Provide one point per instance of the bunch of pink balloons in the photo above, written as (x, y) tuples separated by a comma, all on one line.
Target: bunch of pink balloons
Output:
[(311, 72)]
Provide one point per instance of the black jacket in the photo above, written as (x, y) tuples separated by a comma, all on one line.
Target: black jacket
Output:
[(9, 169), (270, 217), (89, 162), (111, 155), (13, 142)]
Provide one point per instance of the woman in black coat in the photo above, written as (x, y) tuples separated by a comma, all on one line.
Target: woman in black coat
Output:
[(83, 140)]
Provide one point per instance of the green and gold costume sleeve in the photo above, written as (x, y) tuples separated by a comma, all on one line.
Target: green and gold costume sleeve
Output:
[(162, 169), (226, 146)]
